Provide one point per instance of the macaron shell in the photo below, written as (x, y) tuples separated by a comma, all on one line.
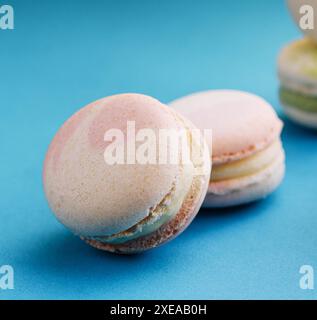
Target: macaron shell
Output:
[(241, 123), (247, 189), (190, 207), (91, 197)]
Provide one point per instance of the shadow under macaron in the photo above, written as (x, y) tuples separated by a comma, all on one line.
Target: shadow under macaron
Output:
[(291, 128), (62, 252), (211, 220), (81, 271)]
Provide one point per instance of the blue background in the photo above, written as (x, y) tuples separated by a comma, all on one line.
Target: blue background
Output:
[(65, 54)]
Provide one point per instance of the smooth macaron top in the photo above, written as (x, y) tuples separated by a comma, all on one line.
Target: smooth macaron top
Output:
[(297, 63), (87, 194), (241, 123)]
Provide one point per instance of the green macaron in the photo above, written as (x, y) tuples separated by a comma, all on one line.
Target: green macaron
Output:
[(297, 70)]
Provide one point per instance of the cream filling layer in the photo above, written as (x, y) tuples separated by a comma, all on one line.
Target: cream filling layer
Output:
[(162, 213), (248, 166)]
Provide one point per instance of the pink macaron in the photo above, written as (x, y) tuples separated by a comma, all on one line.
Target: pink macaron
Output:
[(127, 206), (247, 153)]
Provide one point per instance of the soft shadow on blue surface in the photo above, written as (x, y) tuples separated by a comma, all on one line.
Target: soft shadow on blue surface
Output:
[(65, 258), (296, 131), (62, 252), (241, 211), (211, 221)]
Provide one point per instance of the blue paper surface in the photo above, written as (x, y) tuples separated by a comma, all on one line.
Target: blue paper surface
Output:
[(64, 54)]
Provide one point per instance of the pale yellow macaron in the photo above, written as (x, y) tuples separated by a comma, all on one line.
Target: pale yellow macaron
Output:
[(247, 153), (132, 205)]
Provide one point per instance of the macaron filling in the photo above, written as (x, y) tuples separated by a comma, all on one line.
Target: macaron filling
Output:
[(297, 100), (247, 166), (158, 215)]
